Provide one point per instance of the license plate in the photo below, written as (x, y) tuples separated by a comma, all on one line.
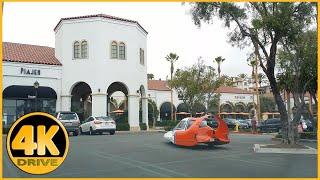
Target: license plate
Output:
[(68, 124)]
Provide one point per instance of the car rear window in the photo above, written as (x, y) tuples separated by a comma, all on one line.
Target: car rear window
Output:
[(104, 118), (67, 116)]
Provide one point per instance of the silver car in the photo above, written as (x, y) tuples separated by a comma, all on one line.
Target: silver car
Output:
[(70, 121)]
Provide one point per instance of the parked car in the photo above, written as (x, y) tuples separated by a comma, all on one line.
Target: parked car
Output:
[(98, 124), (231, 123), (270, 125), (249, 122), (242, 124), (70, 121)]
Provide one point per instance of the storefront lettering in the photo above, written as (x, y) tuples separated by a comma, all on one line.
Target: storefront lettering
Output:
[(240, 97), (26, 71)]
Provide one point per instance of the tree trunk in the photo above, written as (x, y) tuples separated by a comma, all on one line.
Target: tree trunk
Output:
[(281, 108)]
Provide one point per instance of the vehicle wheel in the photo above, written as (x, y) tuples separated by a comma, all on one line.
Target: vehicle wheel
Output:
[(112, 132), (100, 133), (91, 131), (80, 129), (76, 132)]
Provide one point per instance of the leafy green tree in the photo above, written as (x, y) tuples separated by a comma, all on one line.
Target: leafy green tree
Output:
[(298, 71), (262, 25), (267, 104), (225, 80), (193, 84)]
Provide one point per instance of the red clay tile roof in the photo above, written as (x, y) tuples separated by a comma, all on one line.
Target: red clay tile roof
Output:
[(227, 89), (102, 16), (158, 85), (26, 53)]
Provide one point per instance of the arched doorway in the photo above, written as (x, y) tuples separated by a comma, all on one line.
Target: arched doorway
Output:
[(226, 108), (21, 100), (240, 107), (165, 111), (143, 109), (118, 92), (81, 100)]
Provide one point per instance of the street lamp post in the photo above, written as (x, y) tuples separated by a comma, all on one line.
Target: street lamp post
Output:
[(36, 86)]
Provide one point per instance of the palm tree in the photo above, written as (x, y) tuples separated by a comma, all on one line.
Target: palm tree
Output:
[(150, 76), (219, 60), (242, 75), (172, 58)]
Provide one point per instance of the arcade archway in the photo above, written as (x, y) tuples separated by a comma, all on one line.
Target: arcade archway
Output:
[(165, 111), (81, 100)]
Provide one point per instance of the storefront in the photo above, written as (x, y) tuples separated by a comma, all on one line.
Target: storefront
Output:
[(20, 100)]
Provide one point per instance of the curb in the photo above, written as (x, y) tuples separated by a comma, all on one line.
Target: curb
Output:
[(300, 140), (257, 149)]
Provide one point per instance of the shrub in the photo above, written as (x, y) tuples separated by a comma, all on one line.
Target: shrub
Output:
[(123, 127), (304, 135), (170, 125), (143, 126), (308, 135)]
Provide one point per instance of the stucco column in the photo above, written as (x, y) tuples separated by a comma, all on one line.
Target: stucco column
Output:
[(99, 104), (144, 102), (66, 102), (133, 112)]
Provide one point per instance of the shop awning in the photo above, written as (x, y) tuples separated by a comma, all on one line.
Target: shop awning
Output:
[(29, 92)]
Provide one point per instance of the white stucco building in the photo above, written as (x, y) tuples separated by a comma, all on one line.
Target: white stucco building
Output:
[(94, 56)]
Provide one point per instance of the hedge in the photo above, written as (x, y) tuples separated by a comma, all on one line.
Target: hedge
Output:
[(123, 127), (143, 126), (169, 125)]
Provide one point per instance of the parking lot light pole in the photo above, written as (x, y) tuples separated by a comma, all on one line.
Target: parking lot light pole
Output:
[(36, 86)]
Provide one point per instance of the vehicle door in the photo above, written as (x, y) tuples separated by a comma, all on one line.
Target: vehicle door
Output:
[(204, 132), (86, 125), (185, 133)]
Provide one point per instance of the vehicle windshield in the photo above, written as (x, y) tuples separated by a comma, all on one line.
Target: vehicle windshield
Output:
[(181, 125), (67, 116), (104, 118)]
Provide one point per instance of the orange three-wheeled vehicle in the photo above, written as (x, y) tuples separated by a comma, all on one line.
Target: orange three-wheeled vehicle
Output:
[(194, 131)]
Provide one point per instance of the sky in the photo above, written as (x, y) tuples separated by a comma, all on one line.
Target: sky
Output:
[(169, 25)]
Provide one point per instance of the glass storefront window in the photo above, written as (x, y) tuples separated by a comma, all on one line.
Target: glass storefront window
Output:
[(15, 108)]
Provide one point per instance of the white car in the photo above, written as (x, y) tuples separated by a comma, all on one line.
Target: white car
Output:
[(98, 124)]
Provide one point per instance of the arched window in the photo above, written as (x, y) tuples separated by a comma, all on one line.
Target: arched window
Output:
[(114, 50), (122, 51), (76, 50), (84, 49)]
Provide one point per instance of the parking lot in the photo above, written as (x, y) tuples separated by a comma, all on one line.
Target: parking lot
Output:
[(150, 155)]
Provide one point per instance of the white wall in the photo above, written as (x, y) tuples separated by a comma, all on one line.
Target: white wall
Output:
[(99, 70), (50, 76)]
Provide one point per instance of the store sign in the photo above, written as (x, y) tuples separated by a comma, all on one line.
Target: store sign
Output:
[(27, 71), (240, 97)]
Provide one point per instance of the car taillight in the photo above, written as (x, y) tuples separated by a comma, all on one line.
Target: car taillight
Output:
[(97, 122)]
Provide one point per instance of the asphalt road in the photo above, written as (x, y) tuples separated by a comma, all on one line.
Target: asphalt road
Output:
[(149, 155)]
